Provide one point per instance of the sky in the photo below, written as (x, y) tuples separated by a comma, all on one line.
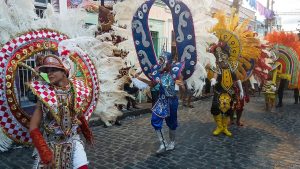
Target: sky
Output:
[(289, 22)]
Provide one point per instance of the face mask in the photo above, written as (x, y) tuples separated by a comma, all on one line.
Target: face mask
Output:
[(163, 63), (222, 57)]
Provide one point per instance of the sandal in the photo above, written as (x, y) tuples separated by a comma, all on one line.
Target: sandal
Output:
[(240, 124)]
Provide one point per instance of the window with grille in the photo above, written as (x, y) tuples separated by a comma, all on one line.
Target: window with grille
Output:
[(39, 11), (40, 6)]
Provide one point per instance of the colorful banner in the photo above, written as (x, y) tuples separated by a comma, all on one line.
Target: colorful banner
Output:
[(75, 3), (88, 3), (269, 14)]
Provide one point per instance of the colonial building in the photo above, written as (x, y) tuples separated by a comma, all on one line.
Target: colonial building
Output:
[(244, 13), (161, 27)]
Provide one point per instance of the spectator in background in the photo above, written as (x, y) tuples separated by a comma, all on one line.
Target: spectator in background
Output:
[(132, 91), (154, 88), (296, 95), (187, 96), (207, 86), (210, 75), (282, 85)]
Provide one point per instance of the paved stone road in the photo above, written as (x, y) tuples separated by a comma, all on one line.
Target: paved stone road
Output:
[(268, 140)]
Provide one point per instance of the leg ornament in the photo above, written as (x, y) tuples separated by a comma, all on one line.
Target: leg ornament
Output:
[(172, 136), (162, 141), (219, 129), (225, 124)]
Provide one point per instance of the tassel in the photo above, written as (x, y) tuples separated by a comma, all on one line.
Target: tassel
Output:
[(86, 131), (5, 142)]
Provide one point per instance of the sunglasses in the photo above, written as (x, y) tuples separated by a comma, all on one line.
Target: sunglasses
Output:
[(51, 70)]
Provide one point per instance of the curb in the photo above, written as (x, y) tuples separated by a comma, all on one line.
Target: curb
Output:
[(96, 121)]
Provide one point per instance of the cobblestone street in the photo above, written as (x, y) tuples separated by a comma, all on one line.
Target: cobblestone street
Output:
[(267, 140)]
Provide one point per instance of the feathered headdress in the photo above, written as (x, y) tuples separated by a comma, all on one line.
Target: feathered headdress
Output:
[(286, 47), (243, 43)]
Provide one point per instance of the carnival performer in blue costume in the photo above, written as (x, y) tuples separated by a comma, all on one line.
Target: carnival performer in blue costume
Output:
[(167, 75)]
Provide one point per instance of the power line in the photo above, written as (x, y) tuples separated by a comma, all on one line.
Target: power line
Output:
[(287, 13)]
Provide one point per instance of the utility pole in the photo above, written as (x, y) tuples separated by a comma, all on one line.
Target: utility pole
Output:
[(267, 20), (236, 5), (271, 20), (298, 31)]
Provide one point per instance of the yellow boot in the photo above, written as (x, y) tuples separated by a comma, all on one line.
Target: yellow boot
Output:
[(219, 129), (225, 124)]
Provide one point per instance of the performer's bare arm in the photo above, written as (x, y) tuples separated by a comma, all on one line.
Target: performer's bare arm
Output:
[(148, 82), (208, 66), (213, 80), (180, 83), (215, 75), (34, 124), (36, 117)]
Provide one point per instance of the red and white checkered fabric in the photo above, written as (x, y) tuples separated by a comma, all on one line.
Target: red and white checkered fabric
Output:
[(46, 93), (82, 92), (96, 86), (8, 122), (48, 96), (9, 125)]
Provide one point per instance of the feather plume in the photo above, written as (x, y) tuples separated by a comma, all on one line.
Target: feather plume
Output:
[(111, 87), (289, 40), (248, 41), (286, 39)]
